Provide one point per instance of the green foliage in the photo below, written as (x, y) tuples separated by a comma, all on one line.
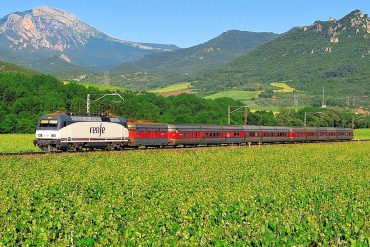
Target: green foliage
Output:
[(98, 86), (261, 196), (266, 94), (305, 58), (23, 99), (6, 67)]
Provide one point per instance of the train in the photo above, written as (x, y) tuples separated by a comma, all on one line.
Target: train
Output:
[(63, 132)]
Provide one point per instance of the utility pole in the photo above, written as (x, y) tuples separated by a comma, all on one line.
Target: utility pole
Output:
[(106, 78), (295, 99), (228, 115), (347, 101), (353, 121), (305, 119), (245, 116), (323, 104), (88, 103), (88, 100), (229, 112)]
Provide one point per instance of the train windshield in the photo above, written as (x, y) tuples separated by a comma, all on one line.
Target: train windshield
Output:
[(48, 123)]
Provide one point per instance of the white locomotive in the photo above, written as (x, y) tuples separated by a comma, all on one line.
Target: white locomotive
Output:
[(65, 132)]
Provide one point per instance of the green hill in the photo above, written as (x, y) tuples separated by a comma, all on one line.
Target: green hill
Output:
[(156, 70), (334, 54), (9, 67)]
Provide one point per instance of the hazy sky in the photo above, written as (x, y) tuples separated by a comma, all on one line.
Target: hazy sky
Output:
[(190, 22)]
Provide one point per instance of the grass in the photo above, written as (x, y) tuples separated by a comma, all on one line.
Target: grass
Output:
[(285, 88), (172, 88), (237, 95), (99, 86), (362, 134), (17, 143), (270, 195)]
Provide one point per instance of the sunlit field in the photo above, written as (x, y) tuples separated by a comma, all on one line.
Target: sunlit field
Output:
[(270, 195)]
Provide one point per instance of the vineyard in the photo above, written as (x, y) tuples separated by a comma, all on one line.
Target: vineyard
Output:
[(273, 195)]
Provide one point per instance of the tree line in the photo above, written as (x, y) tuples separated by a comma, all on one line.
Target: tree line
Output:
[(24, 98)]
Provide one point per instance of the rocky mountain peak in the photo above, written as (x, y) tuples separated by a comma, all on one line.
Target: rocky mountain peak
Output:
[(45, 27), (354, 23)]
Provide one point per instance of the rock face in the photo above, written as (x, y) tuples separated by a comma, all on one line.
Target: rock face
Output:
[(54, 29), (45, 32), (356, 21), (46, 28)]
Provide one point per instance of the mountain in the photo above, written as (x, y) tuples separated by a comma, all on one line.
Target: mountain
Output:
[(224, 47), (182, 63), (32, 36), (333, 53)]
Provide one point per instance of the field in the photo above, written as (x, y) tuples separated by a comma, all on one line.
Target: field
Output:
[(179, 87), (270, 195), (17, 143), (238, 95), (362, 134), (285, 88), (99, 86)]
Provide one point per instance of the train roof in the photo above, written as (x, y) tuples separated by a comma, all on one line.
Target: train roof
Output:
[(71, 118)]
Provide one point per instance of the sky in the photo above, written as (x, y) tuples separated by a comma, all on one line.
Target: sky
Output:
[(189, 22)]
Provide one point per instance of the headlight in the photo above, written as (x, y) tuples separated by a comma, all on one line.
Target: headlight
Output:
[(39, 135)]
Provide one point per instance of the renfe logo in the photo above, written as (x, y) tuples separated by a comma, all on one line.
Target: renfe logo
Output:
[(97, 130)]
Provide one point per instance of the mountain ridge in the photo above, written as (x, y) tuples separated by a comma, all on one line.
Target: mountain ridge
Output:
[(181, 64), (43, 32)]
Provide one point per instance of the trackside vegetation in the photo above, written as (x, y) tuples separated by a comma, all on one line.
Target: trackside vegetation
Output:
[(14, 143), (24, 98), (275, 195)]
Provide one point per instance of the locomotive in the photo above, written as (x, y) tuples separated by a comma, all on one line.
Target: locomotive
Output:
[(62, 132)]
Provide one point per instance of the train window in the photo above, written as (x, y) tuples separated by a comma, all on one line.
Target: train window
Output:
[(105, 119), (48, 123)]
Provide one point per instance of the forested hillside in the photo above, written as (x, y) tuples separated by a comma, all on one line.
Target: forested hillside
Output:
[(4, 66), (332, 53), (24, 98)]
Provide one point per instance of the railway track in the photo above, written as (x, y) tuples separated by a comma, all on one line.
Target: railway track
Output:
[(147, 148)]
